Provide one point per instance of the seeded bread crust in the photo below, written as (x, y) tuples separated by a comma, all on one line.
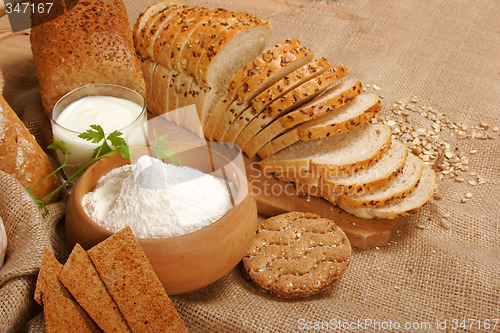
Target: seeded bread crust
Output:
[(219, 63), (277, 90), (245, 21), (290, 101), (328, 102), (289, 82), (399, 188), (176, 26), (330, 124), (272, 71), (363, 181), (146, 41), (289, 61), (145, 17), (411, 203), (297, 255), (320, 156), (242, 76), (92, 43)]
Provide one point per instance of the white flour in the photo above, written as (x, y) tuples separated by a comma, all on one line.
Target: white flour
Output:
[(157, 200)]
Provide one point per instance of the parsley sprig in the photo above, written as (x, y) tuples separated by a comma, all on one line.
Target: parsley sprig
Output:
[(108, 145)]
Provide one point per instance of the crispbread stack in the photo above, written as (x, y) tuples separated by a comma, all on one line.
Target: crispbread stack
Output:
[(307, 120), (112, 288)]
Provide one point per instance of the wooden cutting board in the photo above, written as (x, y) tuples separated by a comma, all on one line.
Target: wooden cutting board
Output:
[(275, 197)]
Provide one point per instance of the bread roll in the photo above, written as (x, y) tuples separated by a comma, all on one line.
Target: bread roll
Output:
[(90, 43), (20, 154)]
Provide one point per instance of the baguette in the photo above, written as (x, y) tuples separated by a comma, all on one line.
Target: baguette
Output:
[(362, 181), (412, 202), (328, 102), (398, 188), (345, 153), (84, 46), (290, 101), (21, 156), (353, 114)]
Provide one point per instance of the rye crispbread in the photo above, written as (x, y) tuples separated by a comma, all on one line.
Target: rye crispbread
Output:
[(81, 279), (133, 284)]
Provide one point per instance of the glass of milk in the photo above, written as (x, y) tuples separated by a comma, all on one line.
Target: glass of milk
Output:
[(113, 107)]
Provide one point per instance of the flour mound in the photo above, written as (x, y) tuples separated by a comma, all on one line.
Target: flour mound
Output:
[(157, 200)]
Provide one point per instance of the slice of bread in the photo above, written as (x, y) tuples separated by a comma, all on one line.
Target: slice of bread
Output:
[(230, 51), (353, 114), (362, 181), (149, 36), (325, 103), (346, 153), (407, 205), (277, 90), (272, 72), (253, 67), (140, 31), (398, 188), (292, 100), (176, 26)]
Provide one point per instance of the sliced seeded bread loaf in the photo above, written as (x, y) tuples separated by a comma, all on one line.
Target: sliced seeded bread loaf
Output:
[(415, 200), (290, 101), (343, 153), (207, 45), (268, 75), (232, 49), (272, 54), (277, 90), (365, 180), (397, 188), (325, 103), (147, 42), (140, 31), (353, 114)]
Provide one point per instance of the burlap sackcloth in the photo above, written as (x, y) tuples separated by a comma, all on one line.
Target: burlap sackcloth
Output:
[(430, 277)]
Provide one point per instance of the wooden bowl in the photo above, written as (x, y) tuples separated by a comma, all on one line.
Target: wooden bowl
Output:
[(182, 263)]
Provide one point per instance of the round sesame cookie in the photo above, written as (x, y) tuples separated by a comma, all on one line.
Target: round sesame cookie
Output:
[(296, 255)]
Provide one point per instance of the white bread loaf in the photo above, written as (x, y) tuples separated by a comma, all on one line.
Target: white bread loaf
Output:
[(397, 188), (415, 200), (271, 72), (290, 101), (353, 114), (272, 54), (362, 181), (328, 102), (346, 153), (277, 90)]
